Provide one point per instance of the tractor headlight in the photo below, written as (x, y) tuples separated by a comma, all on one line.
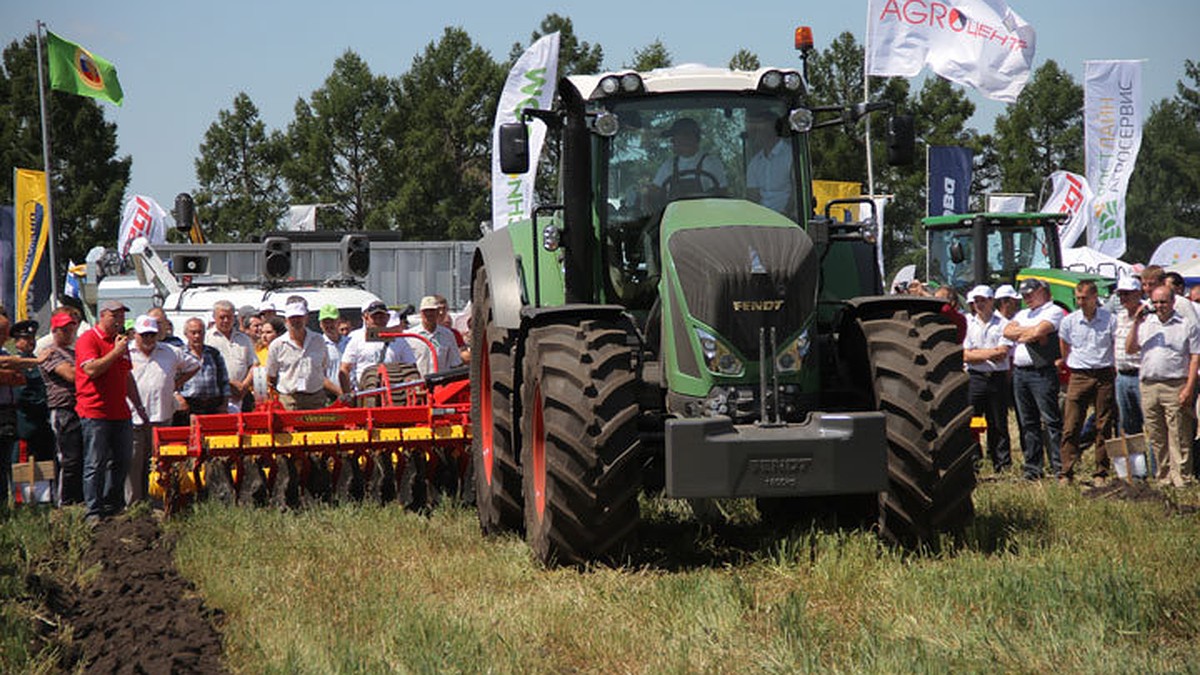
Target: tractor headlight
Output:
[(789, 359), (606, 124), (801, 120), (718, 357)]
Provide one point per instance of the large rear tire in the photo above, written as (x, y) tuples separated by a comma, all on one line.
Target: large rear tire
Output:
[(917, 379), (496, 474), (579, 442)]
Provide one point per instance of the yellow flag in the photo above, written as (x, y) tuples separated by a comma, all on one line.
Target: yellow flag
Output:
[(825, 191), (31, 235)]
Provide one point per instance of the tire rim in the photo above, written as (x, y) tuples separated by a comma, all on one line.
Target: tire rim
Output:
[(485, 411), (539, 455)]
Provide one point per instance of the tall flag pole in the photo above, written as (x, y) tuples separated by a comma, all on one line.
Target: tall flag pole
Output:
[(866, 100), (53, 237)]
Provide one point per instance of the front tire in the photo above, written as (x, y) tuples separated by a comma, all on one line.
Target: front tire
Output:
[(917, 379), (496, 475), (579, 442)]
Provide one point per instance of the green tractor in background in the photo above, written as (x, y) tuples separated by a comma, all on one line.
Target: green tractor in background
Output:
[(1018, 246), (673, 331)]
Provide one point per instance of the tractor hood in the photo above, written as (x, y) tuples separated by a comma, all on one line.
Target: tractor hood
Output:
[(740, 267)]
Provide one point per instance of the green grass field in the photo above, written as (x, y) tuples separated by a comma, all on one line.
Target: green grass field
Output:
[(1045, 580)]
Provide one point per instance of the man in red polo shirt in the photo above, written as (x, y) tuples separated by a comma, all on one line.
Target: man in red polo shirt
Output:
[(103, 380)]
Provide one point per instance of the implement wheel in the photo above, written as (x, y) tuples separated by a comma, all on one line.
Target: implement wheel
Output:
[(496, 475), (916, 371), (579, 442)]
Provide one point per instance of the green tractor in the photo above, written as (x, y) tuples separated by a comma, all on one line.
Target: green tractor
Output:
[(675, 327), (1019, 246)]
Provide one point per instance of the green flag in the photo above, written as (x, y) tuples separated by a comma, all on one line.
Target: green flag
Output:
[(75, 70)]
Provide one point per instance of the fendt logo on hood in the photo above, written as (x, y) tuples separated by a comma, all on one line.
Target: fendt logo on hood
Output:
[(757, 305), (941, 16)]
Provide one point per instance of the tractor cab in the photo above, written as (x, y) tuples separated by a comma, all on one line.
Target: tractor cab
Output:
[(965, 250)]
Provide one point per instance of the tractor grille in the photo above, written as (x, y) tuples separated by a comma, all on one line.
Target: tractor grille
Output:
[(740, 278)]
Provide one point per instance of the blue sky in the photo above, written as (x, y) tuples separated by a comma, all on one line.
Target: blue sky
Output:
[(182, 63)]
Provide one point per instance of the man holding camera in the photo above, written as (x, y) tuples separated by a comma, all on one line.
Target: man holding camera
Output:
[(1170, 349)]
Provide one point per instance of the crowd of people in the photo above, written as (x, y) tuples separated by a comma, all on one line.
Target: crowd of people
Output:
[(89, 397), (1130, 361)]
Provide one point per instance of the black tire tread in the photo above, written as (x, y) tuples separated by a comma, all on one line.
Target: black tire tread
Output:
[(920, 386), (499, 505), (588, 385)]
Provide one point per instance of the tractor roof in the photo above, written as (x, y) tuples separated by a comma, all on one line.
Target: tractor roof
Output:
[(995, 219), (688, 77)]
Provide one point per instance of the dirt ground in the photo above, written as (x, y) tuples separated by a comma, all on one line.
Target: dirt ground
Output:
[(138, 615)]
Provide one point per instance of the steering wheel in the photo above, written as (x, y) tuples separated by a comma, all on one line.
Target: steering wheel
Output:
[(699, 175)]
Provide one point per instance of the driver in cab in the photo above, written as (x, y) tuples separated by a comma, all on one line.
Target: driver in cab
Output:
[(688, 172)]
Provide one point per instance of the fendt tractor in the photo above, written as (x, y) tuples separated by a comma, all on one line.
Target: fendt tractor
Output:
[(1014, 247), (661, 330)]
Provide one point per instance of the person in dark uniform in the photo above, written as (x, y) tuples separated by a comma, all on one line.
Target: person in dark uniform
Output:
[(33, 412)]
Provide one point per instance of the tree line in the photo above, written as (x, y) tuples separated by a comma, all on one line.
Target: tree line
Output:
[(411, 153)]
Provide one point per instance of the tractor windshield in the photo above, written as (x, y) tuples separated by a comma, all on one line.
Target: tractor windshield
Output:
[(1008, 250), (689, 146)]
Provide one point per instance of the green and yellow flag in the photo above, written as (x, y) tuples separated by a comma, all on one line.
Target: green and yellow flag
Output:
[(75, 70)]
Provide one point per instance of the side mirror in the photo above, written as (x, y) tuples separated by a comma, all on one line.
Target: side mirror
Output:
[(957, 256), (514, 148), (901, 138)]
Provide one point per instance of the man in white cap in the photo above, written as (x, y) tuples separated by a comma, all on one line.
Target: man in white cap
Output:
[(445, 347), (1086, 340), (297, 362), (1127, 387), (986, 353), (361, 354), (1008, 301), (158, 371), (1034, 330)]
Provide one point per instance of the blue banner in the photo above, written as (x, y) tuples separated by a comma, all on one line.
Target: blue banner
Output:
[(949, 179)]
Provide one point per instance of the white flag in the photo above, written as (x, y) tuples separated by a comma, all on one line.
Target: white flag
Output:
[(301, 218), (1006, 203), (143, 217), (1112, 130), (1070, 194), (530, 84), (977, 43)]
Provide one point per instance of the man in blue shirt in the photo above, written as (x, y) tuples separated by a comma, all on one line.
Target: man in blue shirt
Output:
[(1086, 339)]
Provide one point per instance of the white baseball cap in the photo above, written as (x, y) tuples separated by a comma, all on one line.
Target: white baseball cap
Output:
[(295, 309), (1129, 283), (1006, 291), (980, 291), (146, 324)]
